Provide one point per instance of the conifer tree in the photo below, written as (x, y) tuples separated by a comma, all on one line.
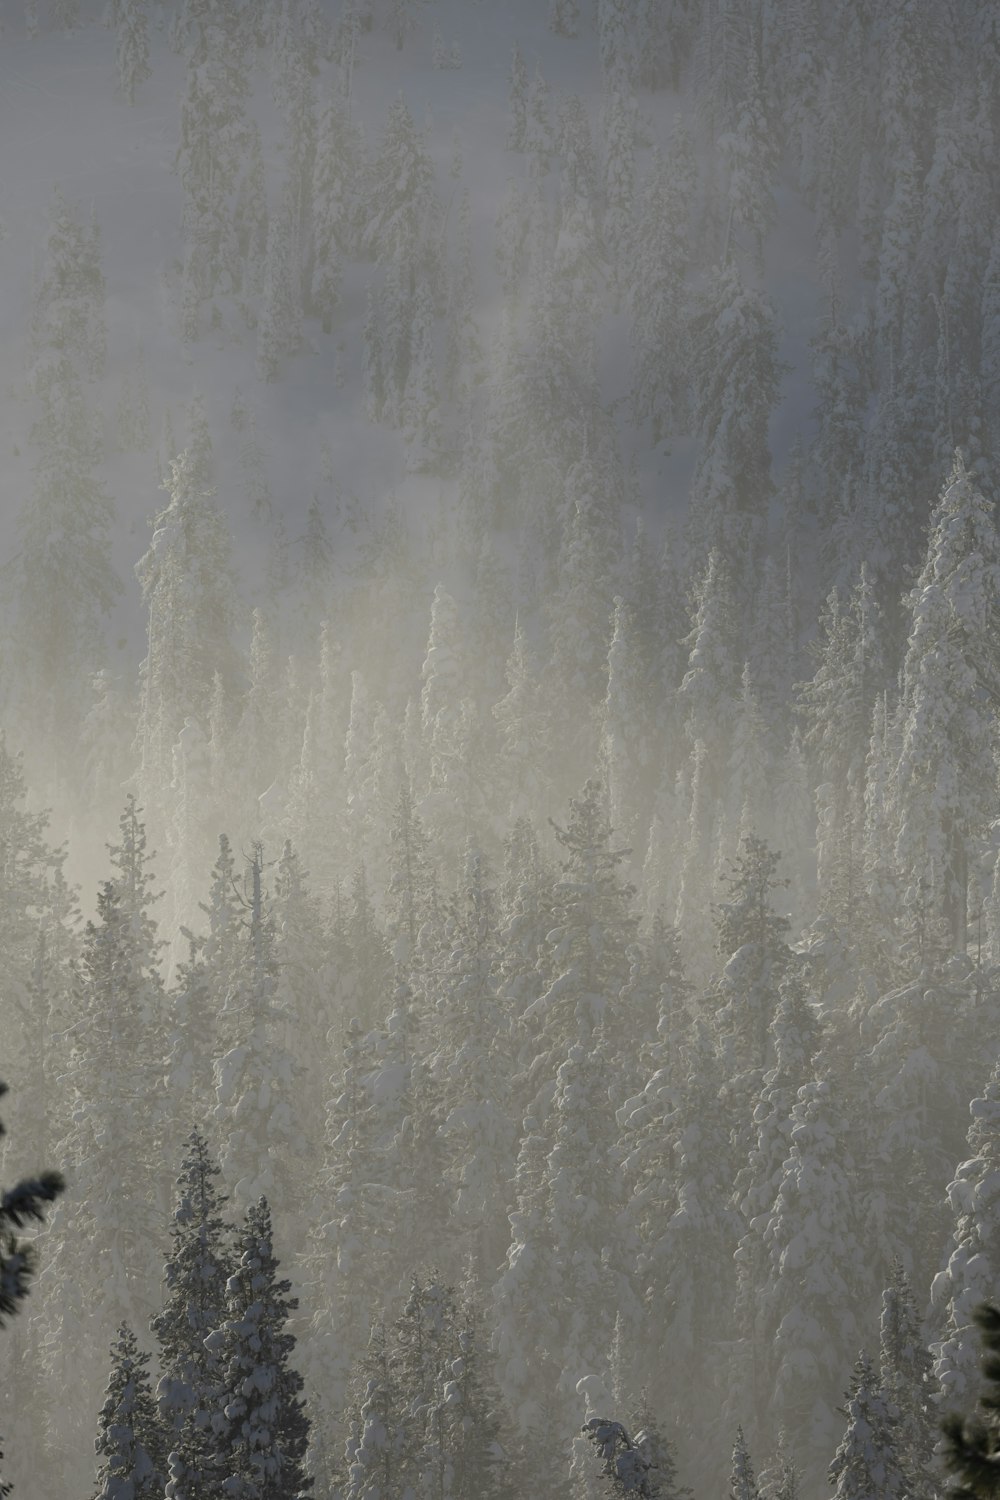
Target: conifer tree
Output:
[(623, 1463), (968, 1275), (657, 299), (944, 775), (970, 1443), (132, 41), (279, 326), (812, 1272), (905, 1370), (187, 587), (592, 927), (751, 937), (735, 374), (262, 1431), (400, 192), (381, 1434), (564, 18), (837, 706), (742, 1479), (256, 1082), (195, 1277), (65, 584), (517, 102), (867, 1460), (129, 1442)]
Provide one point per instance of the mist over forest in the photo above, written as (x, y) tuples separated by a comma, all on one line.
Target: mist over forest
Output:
[(499, 797)]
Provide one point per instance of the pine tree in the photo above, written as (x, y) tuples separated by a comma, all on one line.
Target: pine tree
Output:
[(279, 326), (335, 193), (944, 777), (592, 927), (970, 1445), (262, 1430), (132, 27), (187, 587), (735, 375), (867, 1461), (742, 1479), (113, 1154), (256, 1083), (400, 192), (564, 20), (381, 1433), (837, 706), (813, 1271), (129, 1442), (68, 333), (905, 1369), (517, 102), (215, 136), (623, 1462), (195, 1277), (23, 1204), (968, 1275), (658, 301), (751, 937), (64, 585)]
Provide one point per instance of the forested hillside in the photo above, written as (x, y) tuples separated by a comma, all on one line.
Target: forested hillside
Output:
[(499, 796)]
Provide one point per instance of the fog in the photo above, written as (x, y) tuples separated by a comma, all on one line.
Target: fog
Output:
[(498, 674)]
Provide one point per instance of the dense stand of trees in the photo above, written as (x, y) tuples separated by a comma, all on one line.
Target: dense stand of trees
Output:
[(554, 926)]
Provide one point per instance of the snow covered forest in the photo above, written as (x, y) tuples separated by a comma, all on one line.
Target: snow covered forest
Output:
[(500, 759)]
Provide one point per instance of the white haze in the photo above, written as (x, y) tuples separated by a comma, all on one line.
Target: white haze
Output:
[(524, 1005)]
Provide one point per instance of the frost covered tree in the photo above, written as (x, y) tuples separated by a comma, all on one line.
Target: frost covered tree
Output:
[(816, 1281), (709, 690), (742, 1479), (623, 1462), (186, 582), (214, 136), (735, 380), (380, 1432), (113, 1154), (195, 1276), (751, 938), (129, 1440), (657, 296), (68, 331), (867, 1460), (279, 324), (257, 1107), (475, 1066), (592, 927), (65, 585), (564, 18), (837, 706), (944, 777), (969, 1273), (905, 1371), (335, 193), (132, 46), (400, 194), (262, 1431)]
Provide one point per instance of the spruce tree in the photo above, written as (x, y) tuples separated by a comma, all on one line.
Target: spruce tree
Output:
[(261, 1427), (195, 1277), (905, 1369), (971, 1443), (624, 1465), (129, 1444), (944, 776), (867, 1461)]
